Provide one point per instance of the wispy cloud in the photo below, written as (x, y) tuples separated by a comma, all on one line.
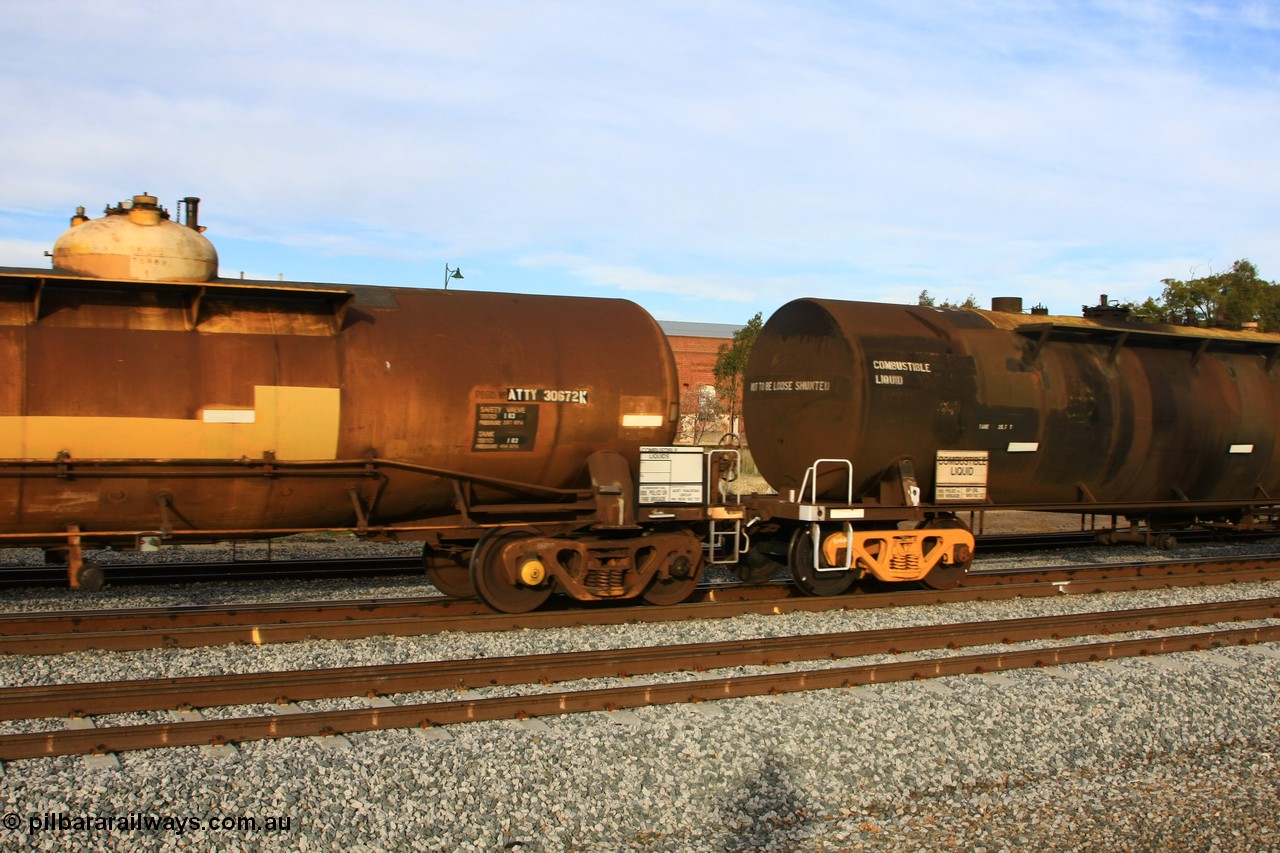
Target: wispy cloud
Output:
[(714, 287), (683, 152)]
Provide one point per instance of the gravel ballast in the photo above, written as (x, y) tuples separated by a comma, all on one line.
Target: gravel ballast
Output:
[(1177, 752)]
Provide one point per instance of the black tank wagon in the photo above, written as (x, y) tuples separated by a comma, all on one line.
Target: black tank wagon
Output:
[(863, 413)]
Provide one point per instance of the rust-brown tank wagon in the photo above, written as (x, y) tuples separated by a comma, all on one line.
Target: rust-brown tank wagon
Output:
[(507, 387), (950, 409), (221, 408)]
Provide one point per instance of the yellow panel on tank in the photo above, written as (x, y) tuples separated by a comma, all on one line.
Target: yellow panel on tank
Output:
[(294, 423)]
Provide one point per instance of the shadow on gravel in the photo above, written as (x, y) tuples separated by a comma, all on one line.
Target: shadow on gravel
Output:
[(766, 812)]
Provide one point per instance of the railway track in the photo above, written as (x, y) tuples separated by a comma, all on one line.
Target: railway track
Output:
[(161, 571), (202, 571), (1033, 541), (55, 632), (378, 682)]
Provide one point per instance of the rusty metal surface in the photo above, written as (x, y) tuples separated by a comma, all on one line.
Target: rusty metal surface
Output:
[(1071, 411), (501, 386)]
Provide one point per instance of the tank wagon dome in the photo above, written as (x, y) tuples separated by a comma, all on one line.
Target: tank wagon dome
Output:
[(136, 240)]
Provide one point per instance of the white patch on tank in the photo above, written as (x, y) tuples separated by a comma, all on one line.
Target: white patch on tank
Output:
[(1241, 448), (1024, 446), (229, 416), (642, 420)]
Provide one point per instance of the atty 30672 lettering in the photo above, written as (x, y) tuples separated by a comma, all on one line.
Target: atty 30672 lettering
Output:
[(547, 395)]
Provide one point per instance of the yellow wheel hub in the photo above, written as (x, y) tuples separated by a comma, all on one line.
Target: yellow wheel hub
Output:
[(532, 572)]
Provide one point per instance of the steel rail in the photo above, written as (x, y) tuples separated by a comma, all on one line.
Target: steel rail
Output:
[(83, 699), (202, 571), (978, 573), (252, 613), (423, 715), (246, 613), (352, 620), (988, 543)]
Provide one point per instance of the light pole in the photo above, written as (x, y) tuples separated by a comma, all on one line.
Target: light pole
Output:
[(457, 273)]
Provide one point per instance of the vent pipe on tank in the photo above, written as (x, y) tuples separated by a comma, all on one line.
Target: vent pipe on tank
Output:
[(191, 213)]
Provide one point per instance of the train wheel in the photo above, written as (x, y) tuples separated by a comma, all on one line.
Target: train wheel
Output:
[(945, 575), (491, 581), (451, 575), (758, 566), (676, 588), (806, 577), (89, 577)]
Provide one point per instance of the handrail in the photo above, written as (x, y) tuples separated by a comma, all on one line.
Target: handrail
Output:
[(812, 474)]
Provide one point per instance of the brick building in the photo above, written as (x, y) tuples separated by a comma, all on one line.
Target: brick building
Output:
[(695, 347)]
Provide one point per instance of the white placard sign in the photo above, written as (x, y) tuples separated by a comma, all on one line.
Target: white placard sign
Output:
[(671, 475), (961, 476)]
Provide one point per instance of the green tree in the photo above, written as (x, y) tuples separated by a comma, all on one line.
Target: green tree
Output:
[(1233, 297), (1269, 313), (699, 412), (929, 301), (731, 364), (1149, 311)]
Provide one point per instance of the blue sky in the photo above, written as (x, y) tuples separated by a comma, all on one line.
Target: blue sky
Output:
[(707, 160)]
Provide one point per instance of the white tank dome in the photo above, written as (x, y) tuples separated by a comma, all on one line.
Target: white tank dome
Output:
[(137, 241)]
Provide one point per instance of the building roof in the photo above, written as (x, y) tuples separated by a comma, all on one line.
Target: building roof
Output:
[(680, 329)]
